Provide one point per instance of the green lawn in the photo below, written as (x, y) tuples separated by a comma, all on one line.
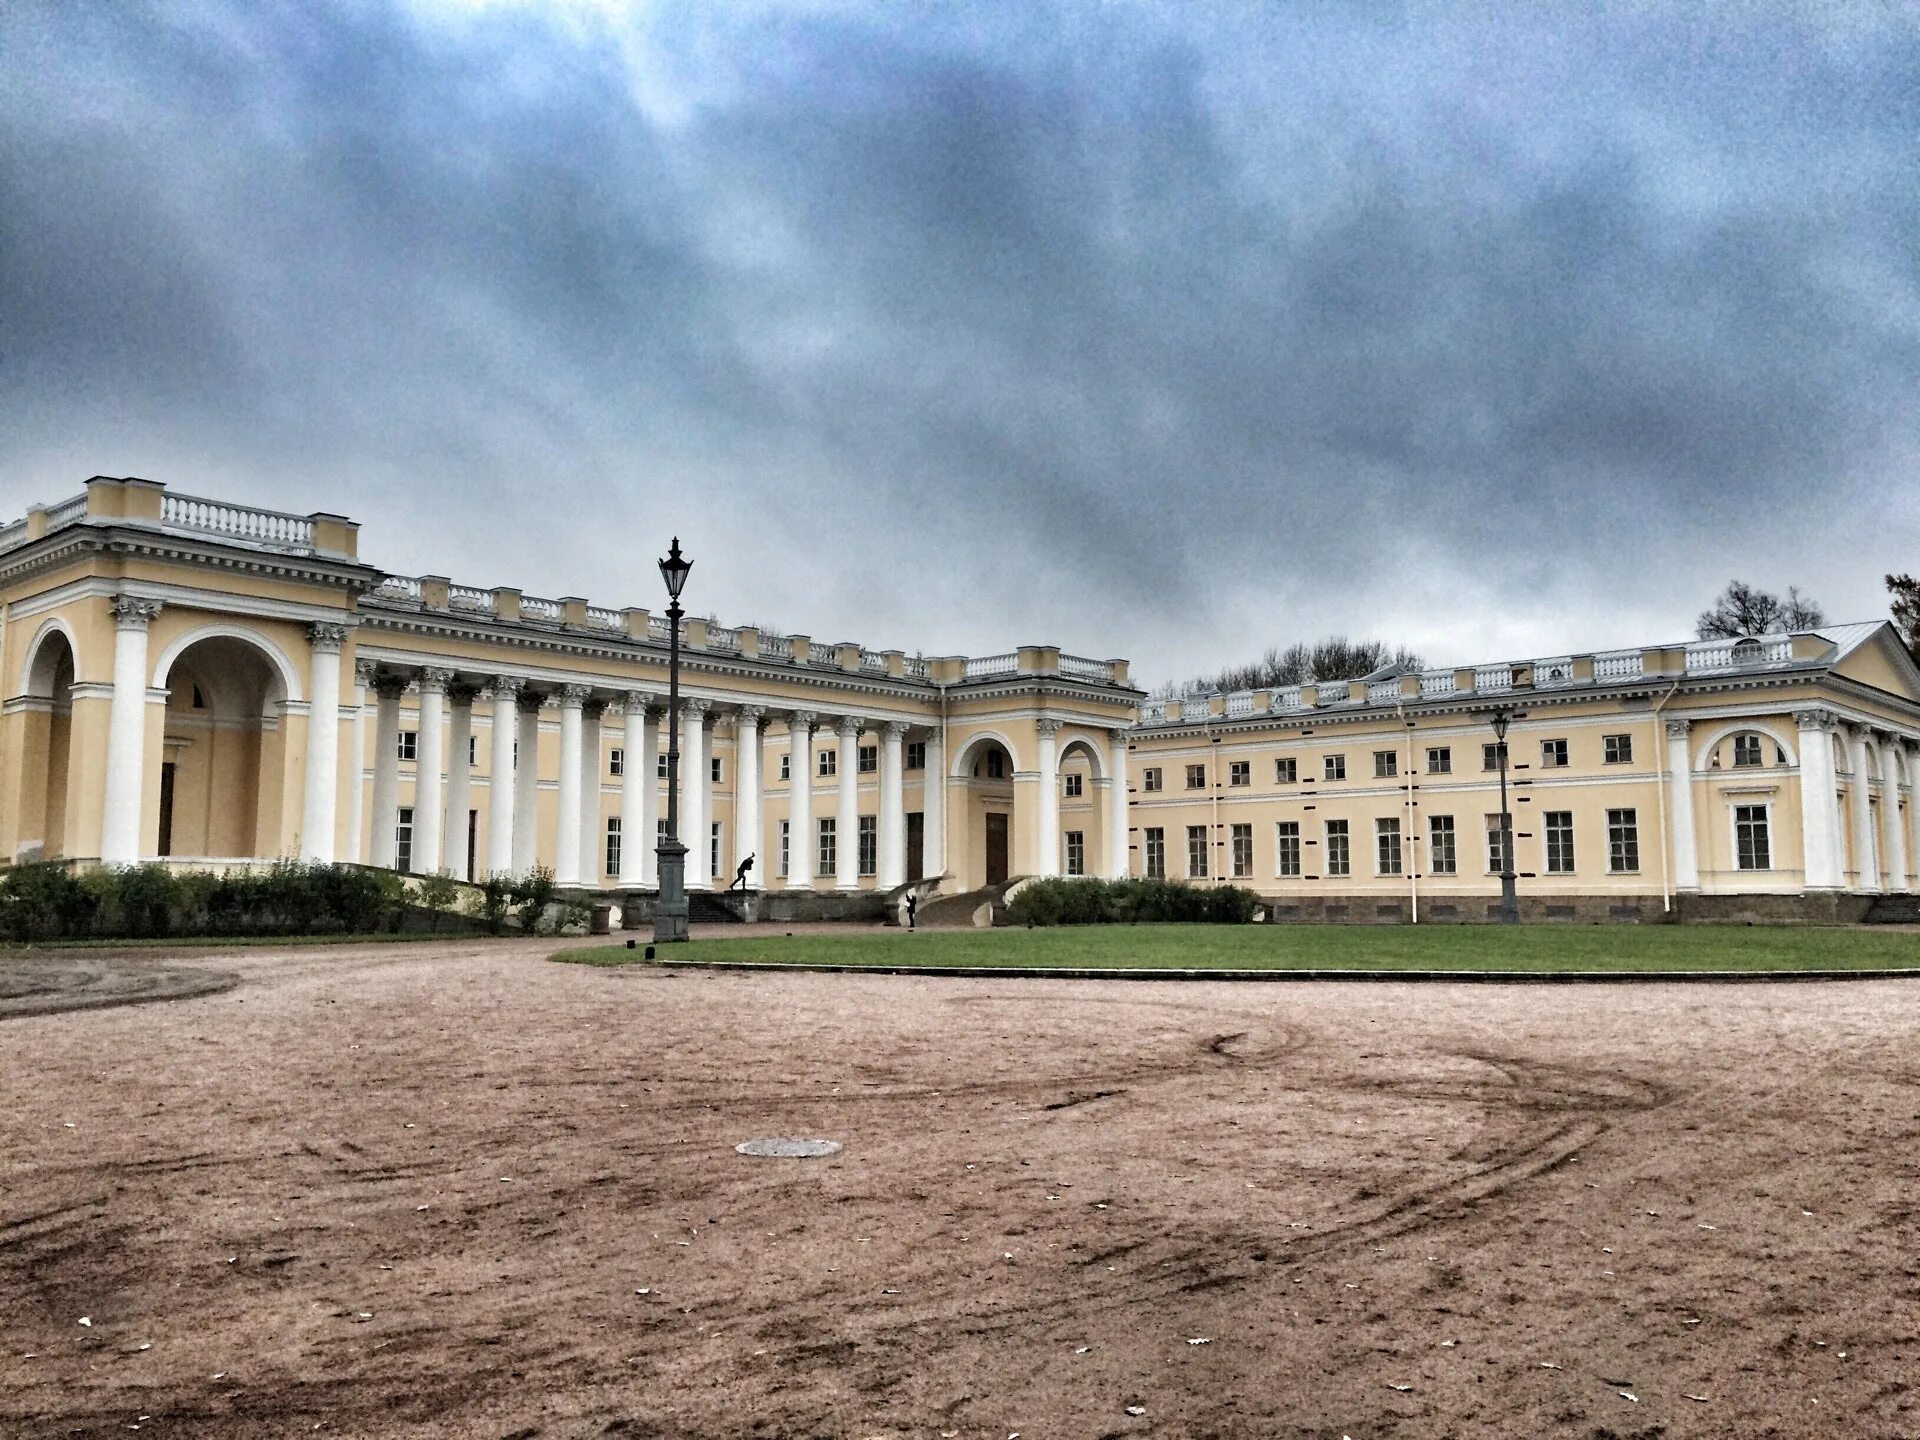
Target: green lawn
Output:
[(1532, 948)]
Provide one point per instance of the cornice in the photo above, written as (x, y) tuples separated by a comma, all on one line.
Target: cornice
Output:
[(136, 540)]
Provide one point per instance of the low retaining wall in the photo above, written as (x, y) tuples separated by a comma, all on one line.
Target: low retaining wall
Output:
[(779, 907), (1815, 909)]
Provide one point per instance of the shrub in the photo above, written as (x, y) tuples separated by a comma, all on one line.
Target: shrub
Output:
[(437, 894), (495, 901), (1080, 901), (40, 901), (533, 892)]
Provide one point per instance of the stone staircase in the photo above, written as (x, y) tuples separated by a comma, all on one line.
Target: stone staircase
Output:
[(970, 910), (1894, 910)]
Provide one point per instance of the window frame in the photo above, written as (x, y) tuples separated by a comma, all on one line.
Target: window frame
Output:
[(1197, 776), (1239, 774), (1074, 846), (611, 846), (1287, 850), (1150, 780), (1153, 852), (867, 834), (1439, 760), (1617, 749), (1286, 770), (1240, 851), (1389, 846), (1765, 809), (1199, 847), (1623, 840), (1386, 764), (1553, 833), (826, 829), (1555, 753), (1341, 831), (1443, 856), (1333, 767), (1073, 785)]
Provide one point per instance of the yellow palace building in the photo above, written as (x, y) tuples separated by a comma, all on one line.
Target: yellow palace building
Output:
[(205, 683)]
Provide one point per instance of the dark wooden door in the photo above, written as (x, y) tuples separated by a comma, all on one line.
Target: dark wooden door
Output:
[(916, 845), (166, 808), (996, 849)]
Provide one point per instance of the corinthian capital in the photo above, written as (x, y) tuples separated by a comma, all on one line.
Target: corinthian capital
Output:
[(1047, 726), (572, 697), (1816, 719), (434, 679), (326, 639), (1678, 729), (896, 729), (849, 727), (801, 722), (133, 613)]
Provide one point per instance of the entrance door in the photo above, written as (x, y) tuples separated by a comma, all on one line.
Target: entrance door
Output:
[(996, 848), (916, 845), (166, 808)]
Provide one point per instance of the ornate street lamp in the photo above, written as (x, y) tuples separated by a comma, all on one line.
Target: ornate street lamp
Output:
[(1509, 900), (670, 911)]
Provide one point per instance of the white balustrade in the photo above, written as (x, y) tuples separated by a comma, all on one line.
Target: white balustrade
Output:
[(1436, 682), (918, 668), (601, 618), (872, 662), (979, 666), (535, 607), (274, 529), (722, 639), (1383, 692), (1492, 678), (1240, 703), (468, 597), (70, 511), (1618, 665), (1082, 668), (1552, 672), (399, 587), (776, 647)]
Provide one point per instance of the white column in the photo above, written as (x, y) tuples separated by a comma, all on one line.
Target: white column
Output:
[(696, 784), (526, 783), (1119, 864), (501, 790), (803, 845), (747, 838), (638, 792), (933, 809), (1821, 856), (363, 672), (566, 867), (593, 859), (1913, 817), (893, 808), (320, 803), (1866, 861), (453, 824), (127, 732), (386, 769), (1046, 854), (846, 853), (1686, 852), (1890, 814), (429, 758)]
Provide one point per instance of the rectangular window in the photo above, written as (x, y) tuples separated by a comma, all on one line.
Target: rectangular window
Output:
[(1336, 767), (403, 841), (786, 848), (1442, 857), (1386, 839), (1339, 853), (1286, 847), (714, 766), (1617, 749), (713, 849), (1623, 842), (1553, 754), (1076, 852), (996, 764), (829, 762), (1155, 841), (409, 744), (1753, 849), (1196, 777), (659, 833), (613, 846), (916, 758), (1439, 759), (1240, 772), (1496, 852), (786, 767), (1150, 778), (616, 761), (660, 765), (1746, 751), (1242, 851), (473, 751), (1197, 852), (869, 759), (1559, 827), (1075, 785), (1386, 763), (829, 846), (869, 844), (1492, 755), (1286, 771)]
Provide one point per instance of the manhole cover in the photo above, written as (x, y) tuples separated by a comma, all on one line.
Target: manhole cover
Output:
[(789, 1149)]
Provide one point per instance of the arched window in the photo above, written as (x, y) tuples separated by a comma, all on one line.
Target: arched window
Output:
[(1746, 651), (1748, 751)]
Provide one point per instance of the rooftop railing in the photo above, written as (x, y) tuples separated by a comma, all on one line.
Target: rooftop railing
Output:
[(600, 617), (776, 647), (979, 667), (469, 597), (537, 607), (273, 529)]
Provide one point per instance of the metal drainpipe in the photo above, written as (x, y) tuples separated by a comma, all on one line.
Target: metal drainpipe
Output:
[(1413, 869), (1213, 791), (1660, 781)]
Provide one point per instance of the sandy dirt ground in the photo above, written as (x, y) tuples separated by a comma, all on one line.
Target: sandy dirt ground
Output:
[(456, 1190)]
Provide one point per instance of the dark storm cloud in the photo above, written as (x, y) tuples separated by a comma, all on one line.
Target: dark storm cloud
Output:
[(1172, 331)]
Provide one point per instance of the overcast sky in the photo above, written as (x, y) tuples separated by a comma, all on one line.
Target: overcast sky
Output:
[(1169, 331)]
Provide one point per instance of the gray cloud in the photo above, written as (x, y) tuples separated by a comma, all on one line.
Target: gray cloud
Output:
[(1149, 330)]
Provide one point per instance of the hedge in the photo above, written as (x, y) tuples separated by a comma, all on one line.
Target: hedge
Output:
[(1125, 902), (48, 901)]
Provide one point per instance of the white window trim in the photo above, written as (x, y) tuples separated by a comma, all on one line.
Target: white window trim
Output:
[(1735, 804)]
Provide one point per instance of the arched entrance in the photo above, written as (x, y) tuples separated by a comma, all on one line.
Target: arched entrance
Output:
[(222, 762), (1084, 823), (983, 770), (47, 747)]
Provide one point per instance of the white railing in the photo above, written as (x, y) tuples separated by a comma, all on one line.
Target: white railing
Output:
[(1383, 692), (980, 666), (601, 618), (1737, 654), (70, 511), (872, 662), (1436, 682), (468, 597), (918, 667), (399, 587), (14, 534), (720, 638), (1618, 665), (1285, 697), (1558, 670), (1492, 677), (1240, 703), (1082, 668), (535, 607), (659, 629), (273, 528), (1154, 712), (776, 647)]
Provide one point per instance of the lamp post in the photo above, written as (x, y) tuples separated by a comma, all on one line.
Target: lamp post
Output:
[(1509, 901), (670, 911)]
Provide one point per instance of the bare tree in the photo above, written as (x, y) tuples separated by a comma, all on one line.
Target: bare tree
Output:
[(1334, 658), (1743, 609), (1906, 609)]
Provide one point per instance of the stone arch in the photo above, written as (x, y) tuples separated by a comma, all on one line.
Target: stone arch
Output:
[(984, 814), (962, 768), (223, 767), (45, 783), (1703, 753), (1080, 744)]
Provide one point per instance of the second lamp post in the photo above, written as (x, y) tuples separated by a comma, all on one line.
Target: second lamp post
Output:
[(670, 909)]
